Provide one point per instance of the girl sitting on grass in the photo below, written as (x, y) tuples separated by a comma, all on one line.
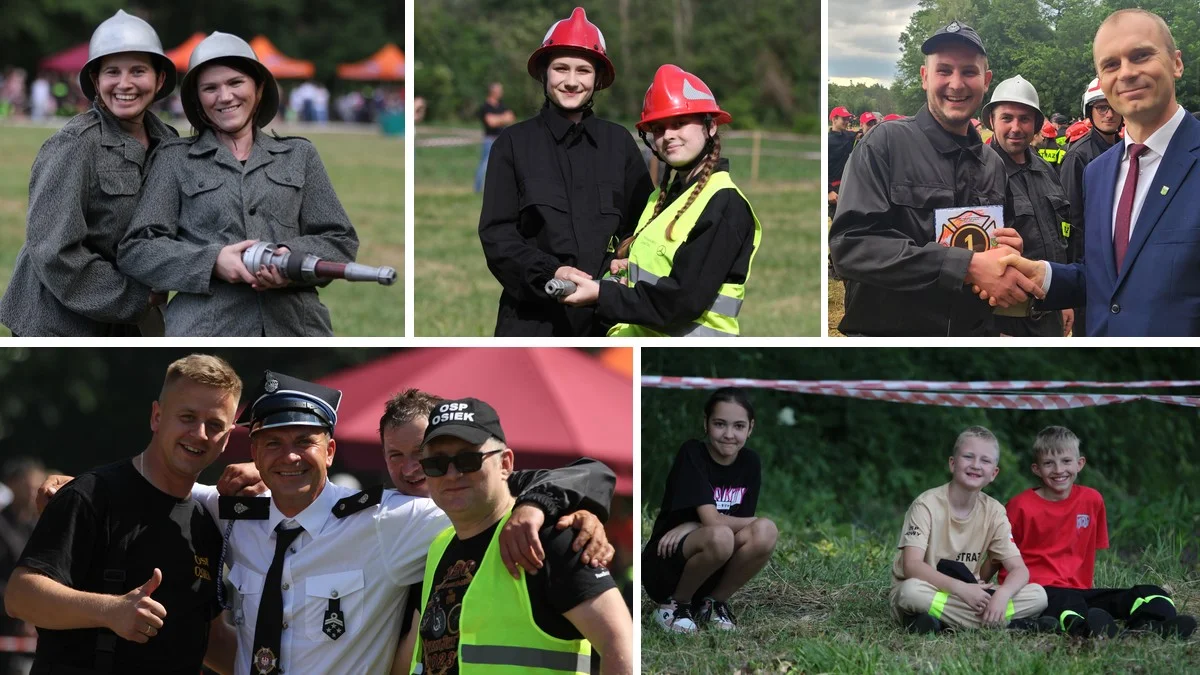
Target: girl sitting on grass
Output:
[(707, 543)]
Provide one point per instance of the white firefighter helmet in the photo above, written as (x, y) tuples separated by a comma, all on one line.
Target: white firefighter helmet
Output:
[(221, 46), (120, 33), (1015, 89), (1092, 94)]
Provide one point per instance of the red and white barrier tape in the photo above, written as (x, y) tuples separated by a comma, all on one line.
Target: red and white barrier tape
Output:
[(19, 645), (954, 394)]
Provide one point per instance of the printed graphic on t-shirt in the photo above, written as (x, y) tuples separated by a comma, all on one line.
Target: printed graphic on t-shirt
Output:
[(969, 556), (1082, 520), (439, 621), (728, 497)]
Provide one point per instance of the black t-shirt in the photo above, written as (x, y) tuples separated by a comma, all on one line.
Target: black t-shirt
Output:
[(696, 480), (71, 545), (489, 109), (561, 584)]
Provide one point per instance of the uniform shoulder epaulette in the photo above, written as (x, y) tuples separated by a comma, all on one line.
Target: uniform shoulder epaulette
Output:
[(357, 502), (244, 508), (292, 138)]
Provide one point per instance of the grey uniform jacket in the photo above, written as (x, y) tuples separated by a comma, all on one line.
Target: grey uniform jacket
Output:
[(899, 279), (83, 189), (201, 199)]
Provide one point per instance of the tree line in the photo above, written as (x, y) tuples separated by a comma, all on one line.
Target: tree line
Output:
[(1048, 42), (761, 58)]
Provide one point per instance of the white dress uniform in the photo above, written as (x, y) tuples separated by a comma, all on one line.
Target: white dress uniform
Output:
[(364, 562)]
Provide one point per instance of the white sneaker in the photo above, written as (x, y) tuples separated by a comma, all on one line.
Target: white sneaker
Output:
[(675, 618)]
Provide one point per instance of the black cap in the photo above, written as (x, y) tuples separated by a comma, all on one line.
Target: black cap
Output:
[(286, 401), (467, 418), (955, 30)]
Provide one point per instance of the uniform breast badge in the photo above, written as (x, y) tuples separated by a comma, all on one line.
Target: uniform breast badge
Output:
[(971, 227), (265, 661), (335, 621)]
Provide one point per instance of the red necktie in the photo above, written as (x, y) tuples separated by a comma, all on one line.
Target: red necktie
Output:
[(1125, 205)]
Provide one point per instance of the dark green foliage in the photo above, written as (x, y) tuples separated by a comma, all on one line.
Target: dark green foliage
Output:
[(322, 31), (1049, 43), (760, 57), (850, 463)]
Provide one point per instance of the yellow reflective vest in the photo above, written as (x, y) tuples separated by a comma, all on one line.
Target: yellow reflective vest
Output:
[(651, 256), (496, 630)]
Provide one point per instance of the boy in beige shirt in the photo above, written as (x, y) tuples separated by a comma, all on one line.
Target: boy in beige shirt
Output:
[(957, 522)]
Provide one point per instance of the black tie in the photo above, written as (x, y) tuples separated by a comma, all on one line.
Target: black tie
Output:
[(268, 629)]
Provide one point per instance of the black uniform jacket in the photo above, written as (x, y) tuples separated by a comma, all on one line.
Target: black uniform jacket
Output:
[(1039, 209), (557, 193), (899, 279), (1079, 154)]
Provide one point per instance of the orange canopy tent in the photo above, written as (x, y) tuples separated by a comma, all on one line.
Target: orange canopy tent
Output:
[(180, 55), (387, 64), (281, 66)]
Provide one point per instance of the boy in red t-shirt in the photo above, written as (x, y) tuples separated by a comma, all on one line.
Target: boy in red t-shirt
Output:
[(1058, 526)]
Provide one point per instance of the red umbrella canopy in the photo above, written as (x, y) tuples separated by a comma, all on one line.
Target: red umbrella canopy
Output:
[(67, 61), (555, 404)]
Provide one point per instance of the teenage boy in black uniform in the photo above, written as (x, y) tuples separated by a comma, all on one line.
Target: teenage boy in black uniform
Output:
[(119, 573), (899, 279), (562, 188), (841, 142)]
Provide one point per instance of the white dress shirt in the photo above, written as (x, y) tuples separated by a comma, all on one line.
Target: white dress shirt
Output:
[(366, 561), (1148, 163), (1151, 158)]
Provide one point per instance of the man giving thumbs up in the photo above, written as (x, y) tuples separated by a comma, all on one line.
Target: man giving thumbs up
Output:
[(119, 575)]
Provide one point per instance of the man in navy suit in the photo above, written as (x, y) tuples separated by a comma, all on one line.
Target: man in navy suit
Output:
[(1140, 273)]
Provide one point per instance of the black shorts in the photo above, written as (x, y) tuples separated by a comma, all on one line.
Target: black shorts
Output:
[(660, 576)]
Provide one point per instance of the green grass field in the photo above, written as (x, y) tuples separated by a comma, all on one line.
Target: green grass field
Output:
[(820, 606), (367, 171), (783, 294)]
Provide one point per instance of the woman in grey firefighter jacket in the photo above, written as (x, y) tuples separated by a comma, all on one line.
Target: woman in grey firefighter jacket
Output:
[(83, 189), (214, 195)]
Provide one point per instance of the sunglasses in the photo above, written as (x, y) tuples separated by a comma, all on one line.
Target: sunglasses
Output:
[(465, 462)]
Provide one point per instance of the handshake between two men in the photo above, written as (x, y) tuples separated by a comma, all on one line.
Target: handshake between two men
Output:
[(1001, 276)]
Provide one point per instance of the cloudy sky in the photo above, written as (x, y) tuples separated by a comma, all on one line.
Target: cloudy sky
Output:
[(864, 39)]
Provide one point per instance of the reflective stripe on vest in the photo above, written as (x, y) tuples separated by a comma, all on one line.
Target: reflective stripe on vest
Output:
[(653, 255), (497, 632), (722, 305), (525, 657)]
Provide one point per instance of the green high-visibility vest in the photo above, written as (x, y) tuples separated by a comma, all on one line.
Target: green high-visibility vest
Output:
[(652, 256), (496, 630)]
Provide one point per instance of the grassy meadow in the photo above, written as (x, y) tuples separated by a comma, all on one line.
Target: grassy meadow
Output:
[(784, 291), (820, 606), (367, 171)]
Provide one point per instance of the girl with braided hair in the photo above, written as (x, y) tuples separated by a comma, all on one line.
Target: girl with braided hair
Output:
[(689, 258)]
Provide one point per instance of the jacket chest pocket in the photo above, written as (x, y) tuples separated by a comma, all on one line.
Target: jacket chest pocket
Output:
[(333, 605), (120, 182), (925, 199), (610, 201), (536, 200), (247, 586), (282, 195)]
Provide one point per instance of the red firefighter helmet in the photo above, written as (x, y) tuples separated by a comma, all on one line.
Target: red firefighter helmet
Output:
[(577, 35), (676, 92), (1078, 130), (1049, 130)]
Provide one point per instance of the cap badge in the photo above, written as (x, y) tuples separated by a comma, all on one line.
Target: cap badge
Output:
[(271, 385), (953, 27)]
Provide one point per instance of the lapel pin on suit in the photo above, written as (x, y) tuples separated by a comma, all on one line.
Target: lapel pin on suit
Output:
[(1164, 191)]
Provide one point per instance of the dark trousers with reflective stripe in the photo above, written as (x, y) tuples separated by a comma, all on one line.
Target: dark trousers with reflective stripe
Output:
[(1134, 605)]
